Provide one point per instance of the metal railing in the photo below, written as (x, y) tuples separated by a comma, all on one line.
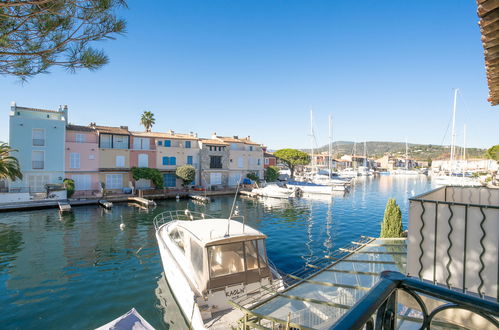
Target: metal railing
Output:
[(452, 239), (378, 308), (185, 215)]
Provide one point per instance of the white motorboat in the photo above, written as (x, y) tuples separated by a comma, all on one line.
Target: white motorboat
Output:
[(403, 171), (209, 262), (130, 320), (311, 188), (275, 191), (448, 180), (348, 173)]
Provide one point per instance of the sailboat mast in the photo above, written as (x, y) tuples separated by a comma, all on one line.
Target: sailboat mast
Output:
[(465, 166), (365, 154), (330, 145), (406, 156), (453, 139), (312, 138)]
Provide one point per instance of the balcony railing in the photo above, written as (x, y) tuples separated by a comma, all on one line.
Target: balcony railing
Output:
[(397, 298), (452, 240), (38, 164), (38, 142)]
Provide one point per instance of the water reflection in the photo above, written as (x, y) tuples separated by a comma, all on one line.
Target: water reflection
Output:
[(54, 267)]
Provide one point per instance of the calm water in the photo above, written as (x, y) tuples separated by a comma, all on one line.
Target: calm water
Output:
[(80, 271)]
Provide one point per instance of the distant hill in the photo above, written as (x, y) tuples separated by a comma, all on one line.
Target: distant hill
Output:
[(377, 149)]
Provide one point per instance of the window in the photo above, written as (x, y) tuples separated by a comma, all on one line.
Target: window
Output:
[(259, 161), (197, 257), (74, 160), (114, 181), (187, 144), (211, 148), (189, 160), (240, 162), (38, 160), (105, 141), (173, 160), (38, 135), (266, 161), (79, 138), (141, 143), (160, 143), (37, 182), (120, 161), (226, 259), (262, 255), (166, 160), (215, 178), (143, 160), (250, 148), (120, 142), (251, 255), (215, 161), (82, 181), (170, 180), (168, 143)]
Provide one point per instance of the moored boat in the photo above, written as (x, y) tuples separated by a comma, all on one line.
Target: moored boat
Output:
[(275, 191), (209, 262)]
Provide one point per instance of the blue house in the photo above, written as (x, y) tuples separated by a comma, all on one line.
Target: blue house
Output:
[(38, 135)]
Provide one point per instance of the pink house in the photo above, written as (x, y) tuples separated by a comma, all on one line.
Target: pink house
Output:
[(82, 159)]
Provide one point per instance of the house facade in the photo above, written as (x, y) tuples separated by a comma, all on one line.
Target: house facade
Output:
[(114, 156), (142, 154), (214, 162), (245, 156), (174, 150), (82, 159), (268, 158), (38, 135)]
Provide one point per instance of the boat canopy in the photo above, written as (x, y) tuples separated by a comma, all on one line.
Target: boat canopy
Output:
[(218, 259), (219, 231)]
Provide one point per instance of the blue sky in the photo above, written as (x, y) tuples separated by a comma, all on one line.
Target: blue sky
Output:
[(385, 70)]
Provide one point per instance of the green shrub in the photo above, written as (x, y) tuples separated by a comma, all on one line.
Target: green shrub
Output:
[(252, 176), (186, 173), (272, 173), (69, 184), (148, 173), (391, 227)]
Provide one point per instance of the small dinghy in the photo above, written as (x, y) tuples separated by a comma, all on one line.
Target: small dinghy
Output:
[(129, 321)]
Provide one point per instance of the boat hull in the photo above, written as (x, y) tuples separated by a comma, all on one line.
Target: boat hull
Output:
[(180, 287)]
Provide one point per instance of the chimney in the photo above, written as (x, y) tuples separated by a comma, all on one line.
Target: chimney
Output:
[(236, 137), (13, 106), (214, 135), (171, 132), (92, 125), (191, 134), (124, 127), (64, 110), (195, 134), (248, 138)]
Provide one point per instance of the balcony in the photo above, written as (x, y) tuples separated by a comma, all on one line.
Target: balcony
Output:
[(38, 164), (398, 301), (38, 142), (452, 240)]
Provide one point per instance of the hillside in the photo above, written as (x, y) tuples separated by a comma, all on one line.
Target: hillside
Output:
[(377, 149)]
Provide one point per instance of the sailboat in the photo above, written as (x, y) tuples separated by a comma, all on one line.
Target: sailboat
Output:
[(449, 179), (307, 185), (405, 171)]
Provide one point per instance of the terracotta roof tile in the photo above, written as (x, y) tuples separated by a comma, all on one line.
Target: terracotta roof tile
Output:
[(71, 127), (112, 130), (215, 142), (165, 135)]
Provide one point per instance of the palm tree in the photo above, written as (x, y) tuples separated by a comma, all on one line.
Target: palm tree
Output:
[(9, 166), (147, 120)]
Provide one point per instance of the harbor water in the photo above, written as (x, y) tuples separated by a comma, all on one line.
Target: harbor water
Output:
[(81, 270)]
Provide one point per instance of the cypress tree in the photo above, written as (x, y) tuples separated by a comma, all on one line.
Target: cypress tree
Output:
[(391, 227)]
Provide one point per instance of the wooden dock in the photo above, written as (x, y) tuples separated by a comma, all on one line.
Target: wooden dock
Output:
[(105, 204), (200, 198), (64, 206), (142, 201)]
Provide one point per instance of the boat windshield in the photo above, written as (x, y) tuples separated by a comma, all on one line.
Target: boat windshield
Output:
[(230, 258)]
